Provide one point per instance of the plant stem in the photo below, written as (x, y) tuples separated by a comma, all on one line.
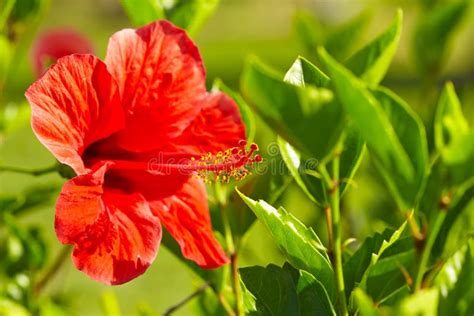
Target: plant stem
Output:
[(33, 172), (332, 185), (337, 232), (236, 284), (55, 267), (239, 304), (185, 300), (426, 252), (327, 212)]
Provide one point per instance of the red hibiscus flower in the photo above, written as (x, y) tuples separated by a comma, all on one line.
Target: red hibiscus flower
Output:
[(52, 45), (138, 130)]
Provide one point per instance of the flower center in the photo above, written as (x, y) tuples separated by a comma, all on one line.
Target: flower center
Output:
[(224, 166)]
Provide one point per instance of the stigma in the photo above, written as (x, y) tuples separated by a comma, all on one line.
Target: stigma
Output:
[(224, 166)]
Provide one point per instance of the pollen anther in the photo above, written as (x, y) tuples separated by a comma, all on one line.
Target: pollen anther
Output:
[(231, 164)]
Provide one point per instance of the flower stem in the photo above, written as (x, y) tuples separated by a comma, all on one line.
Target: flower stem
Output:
[(33, 172), (426, 252), (55, 267), (239, 304), (185, 300), (332, 185)]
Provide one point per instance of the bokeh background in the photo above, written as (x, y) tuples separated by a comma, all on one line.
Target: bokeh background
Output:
[(237, 29)]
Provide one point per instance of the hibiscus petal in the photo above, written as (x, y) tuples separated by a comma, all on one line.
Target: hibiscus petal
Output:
[(73, 105), (115, 234), (216, 128), (185, 214), (162, 80)]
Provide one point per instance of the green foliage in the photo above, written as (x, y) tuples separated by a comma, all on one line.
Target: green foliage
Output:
[(296, 113), (433, 33), (393, 133), (322, 115), (187, 14), (450, 123), (143, 11), (372, 61), (455, 283), (286, 291), (300, 245), (339, 40)]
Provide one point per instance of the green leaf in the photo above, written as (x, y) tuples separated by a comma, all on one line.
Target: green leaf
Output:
[(303, 72), (342, 38), (351, 156), (286, 291), (187, 14), (386, 275), (455, 283), (450, 123), (458, 224), (296, 113), (375, 127), (142, 12), (273, 288), (311, 186), (433, 32), (355, 267), (312, 296), (191, 14), (304, 171), (299, 244), (372, 61), (247, 115), (250, 301), (364, 303), (308, 30), (458, 157), (422, 303), (380, 265), (411, 134)]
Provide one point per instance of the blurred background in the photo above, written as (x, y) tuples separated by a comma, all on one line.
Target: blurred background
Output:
[(265, 28)]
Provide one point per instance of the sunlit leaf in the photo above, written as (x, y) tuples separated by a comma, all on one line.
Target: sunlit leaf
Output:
[(296, 113), (303, 72), (450, 123), (411, 134), (422, 303), (372, 61), (455, 283), (375, 127), (299, 244), (458, 157)]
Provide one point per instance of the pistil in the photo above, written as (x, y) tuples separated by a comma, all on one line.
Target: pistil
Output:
[(222, 166)]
